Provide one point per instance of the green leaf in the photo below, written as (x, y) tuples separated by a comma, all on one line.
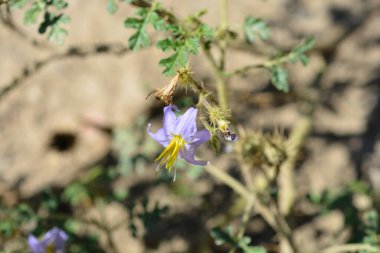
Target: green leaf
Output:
[(31, 15), (298, 52), (140, 38), (178, 59), (279, 78), (206, 31), (112, 6), (57, 33), (75, 193), (60, 4), (192, 45), (17, 4), (223, 236), (254, 28), (166, 44)]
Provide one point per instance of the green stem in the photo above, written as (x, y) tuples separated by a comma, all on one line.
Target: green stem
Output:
[(224, 31), (228, 180), (220, 79), (267, 64)]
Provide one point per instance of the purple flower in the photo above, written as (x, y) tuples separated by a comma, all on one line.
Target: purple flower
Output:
[(180, 137), (53, 241)]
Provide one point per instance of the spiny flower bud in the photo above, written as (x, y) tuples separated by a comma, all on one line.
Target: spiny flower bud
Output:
[(274, 153), (185, 76), (218, 118), (263, 150)]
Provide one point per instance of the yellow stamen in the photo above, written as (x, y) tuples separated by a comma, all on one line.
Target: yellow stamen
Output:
[(170, 153), (50, 249)]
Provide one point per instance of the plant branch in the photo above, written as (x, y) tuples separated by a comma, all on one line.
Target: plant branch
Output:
[(224, 31), (266, 64), (251, 197), (220, 79)]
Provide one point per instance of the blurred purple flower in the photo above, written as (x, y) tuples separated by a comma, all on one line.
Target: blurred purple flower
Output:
[(180, 137), (53, 241)]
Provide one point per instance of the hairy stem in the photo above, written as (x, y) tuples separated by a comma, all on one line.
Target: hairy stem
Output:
[(220, 79), (277, 224), (224, 30)]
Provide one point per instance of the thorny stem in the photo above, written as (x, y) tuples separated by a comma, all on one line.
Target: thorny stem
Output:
[(228, 180), (245, 218), (250, 196), (267, 64), (224, 30), (244, 221), (220, 79), (218, 70)]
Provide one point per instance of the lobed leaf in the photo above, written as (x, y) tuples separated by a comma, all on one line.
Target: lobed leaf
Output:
[(254, 28), (140, 38), (279, 78), (178, 59), (298, 52), (112, 6), (18, 4), (31, 15)]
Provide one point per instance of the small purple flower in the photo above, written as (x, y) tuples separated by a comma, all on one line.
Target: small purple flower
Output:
[(53, 241), (180, 137)]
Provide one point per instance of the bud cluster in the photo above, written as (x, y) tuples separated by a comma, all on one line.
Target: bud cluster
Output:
[(263, 150)]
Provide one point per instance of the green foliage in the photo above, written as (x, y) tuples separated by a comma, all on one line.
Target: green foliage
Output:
[(279, 78), (147, 217), (140, 38), (17, 4), (53, 20), (32, 14), (57, 33), (371, 229), (112, 6), (226, 237), (48, 200), (183, 42), (255, 28), (364, 225), (298, 52), (13, 218), (75, 193)]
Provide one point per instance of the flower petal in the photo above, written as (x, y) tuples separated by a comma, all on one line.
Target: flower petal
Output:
[(170, 120), (34, 244), (186, 123), (188, 152), (160, 136), (188, 156), (55, 237), (200, 137)]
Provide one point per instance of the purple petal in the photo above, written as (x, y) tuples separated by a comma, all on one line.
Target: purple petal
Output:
[(197, 139), (200, 137), (55, 237), (188, 155), (160, 136), (170, 120), (34, 244), (186, 123)]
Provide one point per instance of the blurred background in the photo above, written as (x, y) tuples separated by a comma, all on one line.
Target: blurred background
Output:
[(67, 121)]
